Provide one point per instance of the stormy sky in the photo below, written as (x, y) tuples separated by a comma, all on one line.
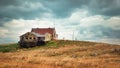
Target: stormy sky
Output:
[(89, 20)]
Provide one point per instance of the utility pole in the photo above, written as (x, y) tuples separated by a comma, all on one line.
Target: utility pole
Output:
[(73, 36), (54, 24)]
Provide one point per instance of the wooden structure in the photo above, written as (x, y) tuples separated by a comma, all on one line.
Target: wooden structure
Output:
[(43, 31), (37, 36)]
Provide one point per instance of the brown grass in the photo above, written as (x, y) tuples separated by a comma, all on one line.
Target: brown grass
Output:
[(76, 55)]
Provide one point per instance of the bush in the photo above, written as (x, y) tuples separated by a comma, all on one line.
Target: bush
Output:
[(9, 48), (51, 43)]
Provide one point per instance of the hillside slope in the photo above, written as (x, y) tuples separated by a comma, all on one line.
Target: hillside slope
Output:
[(64, 54)]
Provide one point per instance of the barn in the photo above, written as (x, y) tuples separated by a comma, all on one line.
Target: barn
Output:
[(37, 36)]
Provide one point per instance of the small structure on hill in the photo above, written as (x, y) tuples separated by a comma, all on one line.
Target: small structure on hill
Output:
[(37, 36)]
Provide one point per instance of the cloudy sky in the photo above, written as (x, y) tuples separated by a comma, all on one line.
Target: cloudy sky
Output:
[(91, 20)]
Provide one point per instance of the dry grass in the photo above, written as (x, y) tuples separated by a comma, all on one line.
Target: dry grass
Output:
[(69, 55)]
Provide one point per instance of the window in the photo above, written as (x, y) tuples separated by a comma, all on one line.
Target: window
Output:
[(30, 38), (26, 37)]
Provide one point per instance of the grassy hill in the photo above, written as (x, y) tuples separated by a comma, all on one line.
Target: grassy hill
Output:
[(15, 46), (61, 54)]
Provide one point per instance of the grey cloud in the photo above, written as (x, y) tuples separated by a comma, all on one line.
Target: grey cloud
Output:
[(59, 8), (16, 9), (64, 8), (99, 32), (7, 40), (4, 3), (105, 7)]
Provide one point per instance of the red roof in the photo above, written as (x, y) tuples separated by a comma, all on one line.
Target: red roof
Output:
[(42, 31)]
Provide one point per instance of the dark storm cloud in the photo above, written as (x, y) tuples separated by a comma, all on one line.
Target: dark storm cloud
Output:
[(64, 8), (15, 9), (4, 3), (105, 7), (60, 8)]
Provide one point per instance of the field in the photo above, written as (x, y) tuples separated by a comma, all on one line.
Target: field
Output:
[(61, 54)]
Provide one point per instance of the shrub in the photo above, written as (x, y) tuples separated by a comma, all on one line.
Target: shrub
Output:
[(51, 43), (9, 48)]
